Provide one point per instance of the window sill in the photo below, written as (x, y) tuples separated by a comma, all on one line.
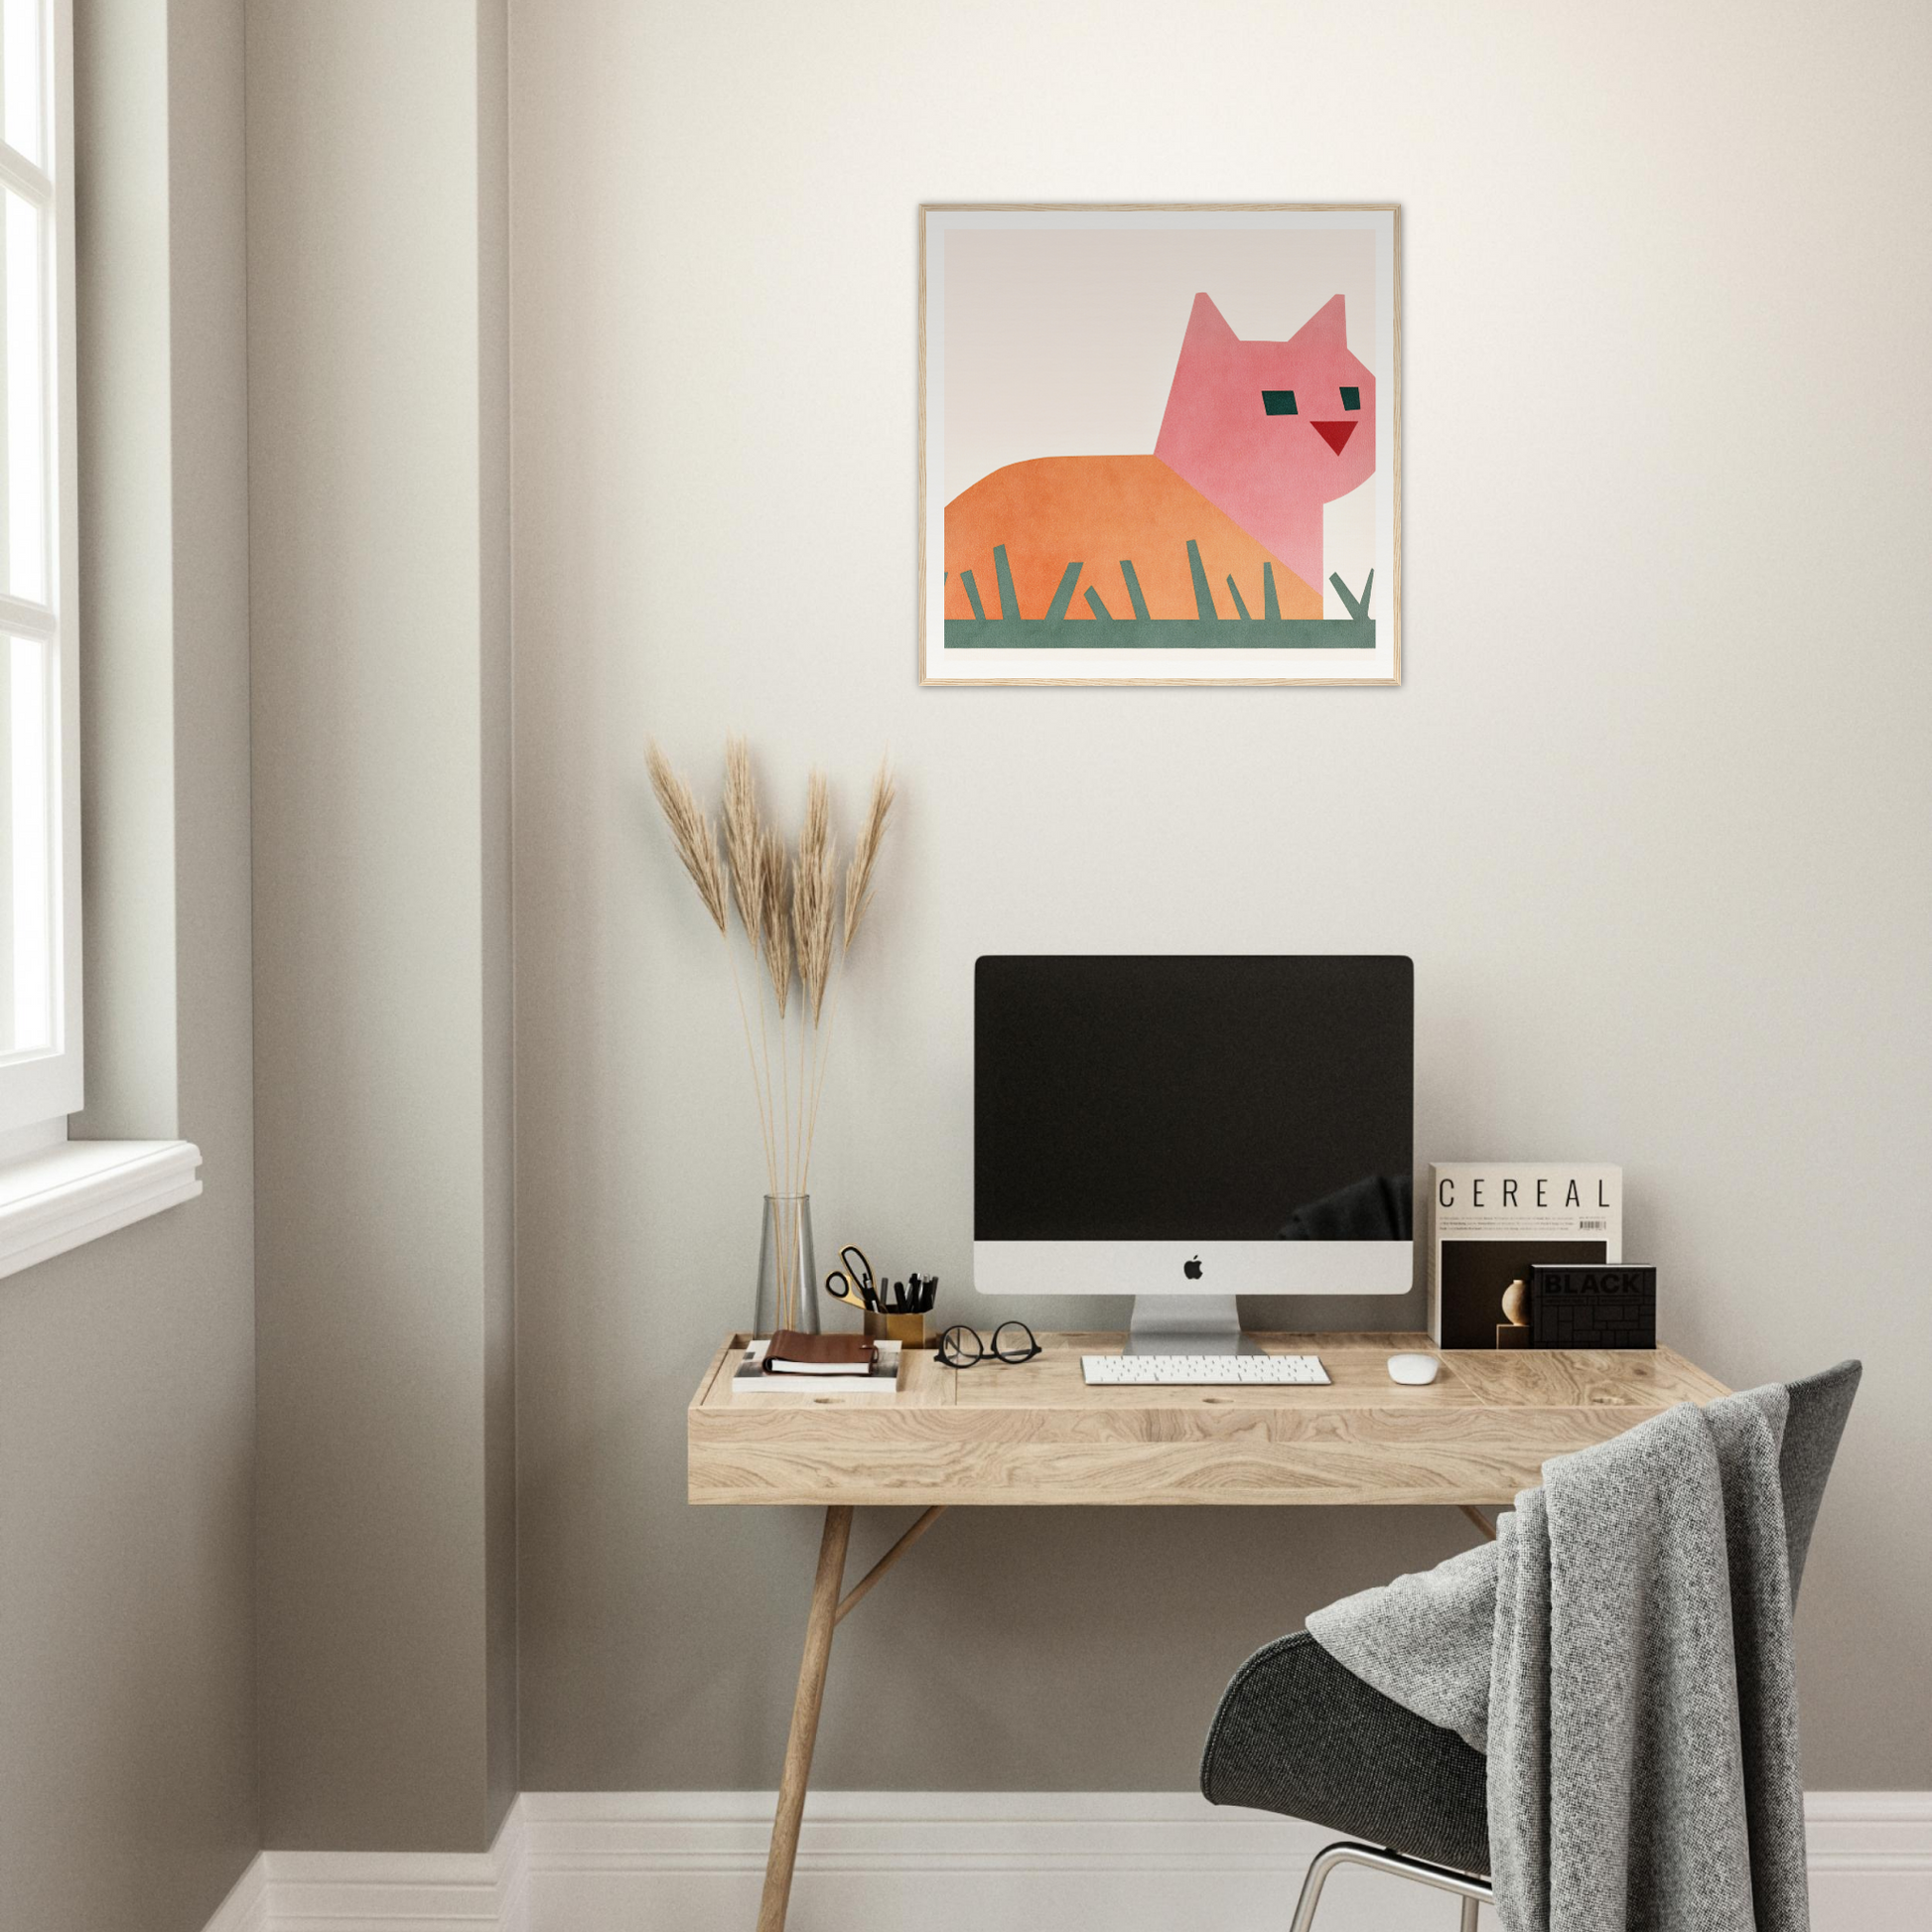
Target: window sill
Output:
[(79, 1191)]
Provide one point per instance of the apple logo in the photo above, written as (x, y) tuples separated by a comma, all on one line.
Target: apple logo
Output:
[(1192, 1268)]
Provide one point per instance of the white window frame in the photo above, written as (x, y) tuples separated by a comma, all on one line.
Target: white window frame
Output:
[(39, 1089), (54, 1192)]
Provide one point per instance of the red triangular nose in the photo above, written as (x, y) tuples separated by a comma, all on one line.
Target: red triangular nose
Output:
[(1335, 434)]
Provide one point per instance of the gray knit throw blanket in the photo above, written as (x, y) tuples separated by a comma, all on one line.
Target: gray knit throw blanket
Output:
[(1623, 1652)]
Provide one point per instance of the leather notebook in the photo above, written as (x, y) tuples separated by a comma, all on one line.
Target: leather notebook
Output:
[(793, 1353)]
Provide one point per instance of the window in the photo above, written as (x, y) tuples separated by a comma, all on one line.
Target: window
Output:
[(55, 1194), (40, 847)]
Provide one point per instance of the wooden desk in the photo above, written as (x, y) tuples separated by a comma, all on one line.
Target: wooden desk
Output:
[(1034, 1434)]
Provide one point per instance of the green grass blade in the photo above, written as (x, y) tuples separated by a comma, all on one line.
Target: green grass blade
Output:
[(1342, 592), (1064, 595), (1203, 597), (973, 595), (1096, 607), (1133, 589), (1234, 591), (1271, 604), (1002, 571)]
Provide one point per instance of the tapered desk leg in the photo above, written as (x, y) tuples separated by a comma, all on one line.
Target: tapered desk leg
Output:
[(804, 1719)]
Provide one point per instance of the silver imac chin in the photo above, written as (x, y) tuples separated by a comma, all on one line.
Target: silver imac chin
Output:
[(1185, 1129), (1184, 1297)]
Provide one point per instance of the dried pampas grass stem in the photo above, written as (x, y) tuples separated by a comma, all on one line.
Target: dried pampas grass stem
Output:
[(814, 910), (858, 899), (864, 853), (774, 919), (697, 847), (814, 900), (788, 911), (691, 833), (744, 847)]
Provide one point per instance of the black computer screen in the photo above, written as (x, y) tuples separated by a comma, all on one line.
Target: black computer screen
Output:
[(1222, 1098)]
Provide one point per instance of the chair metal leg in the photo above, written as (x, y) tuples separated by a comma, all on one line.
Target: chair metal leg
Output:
[(1472, 1891)]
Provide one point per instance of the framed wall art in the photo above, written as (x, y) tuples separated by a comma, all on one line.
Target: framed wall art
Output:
[(1159, 445)]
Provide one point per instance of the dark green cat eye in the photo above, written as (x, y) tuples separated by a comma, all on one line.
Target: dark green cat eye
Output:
[(1278, 402), (1351, 399)]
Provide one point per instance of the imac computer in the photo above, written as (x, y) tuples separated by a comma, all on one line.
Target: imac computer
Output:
[(1186, 1129)]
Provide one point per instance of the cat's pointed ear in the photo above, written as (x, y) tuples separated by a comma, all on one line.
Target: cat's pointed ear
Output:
[(1207, 327), (1329, 323)]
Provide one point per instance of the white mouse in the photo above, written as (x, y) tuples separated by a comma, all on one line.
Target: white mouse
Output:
[(1415, 1369)]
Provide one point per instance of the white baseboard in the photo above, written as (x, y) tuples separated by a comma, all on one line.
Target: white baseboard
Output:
[(246, 1909), (384, 1892), (954, 1861)]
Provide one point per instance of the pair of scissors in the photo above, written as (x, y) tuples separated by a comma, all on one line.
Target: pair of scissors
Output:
[(853, 1281)]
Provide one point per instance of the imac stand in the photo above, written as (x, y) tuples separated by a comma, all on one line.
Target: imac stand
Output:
[(1186, 1324)]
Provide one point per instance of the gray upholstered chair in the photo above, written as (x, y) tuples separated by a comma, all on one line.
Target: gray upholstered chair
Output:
[(1298, 1734)]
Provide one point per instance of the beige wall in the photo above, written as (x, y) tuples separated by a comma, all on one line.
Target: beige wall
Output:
[(127, 1774), (378, 508), (1651, 811)]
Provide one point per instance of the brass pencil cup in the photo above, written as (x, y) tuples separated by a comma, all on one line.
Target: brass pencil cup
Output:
[(906, 1328)]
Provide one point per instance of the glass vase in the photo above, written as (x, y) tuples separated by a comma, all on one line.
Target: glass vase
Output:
[(787, 1272)]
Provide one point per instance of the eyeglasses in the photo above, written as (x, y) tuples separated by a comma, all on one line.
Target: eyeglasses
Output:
[(1013, 1341)]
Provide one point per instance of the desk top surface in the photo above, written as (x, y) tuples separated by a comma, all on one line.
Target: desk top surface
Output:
[(1035, 1433)]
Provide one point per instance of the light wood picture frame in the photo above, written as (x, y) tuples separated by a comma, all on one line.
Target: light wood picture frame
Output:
[(1160, 444)]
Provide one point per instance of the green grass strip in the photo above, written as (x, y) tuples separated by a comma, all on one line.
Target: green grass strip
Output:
[(1162, 634)]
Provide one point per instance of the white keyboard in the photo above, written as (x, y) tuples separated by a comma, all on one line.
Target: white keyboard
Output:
[(1201, 1371)]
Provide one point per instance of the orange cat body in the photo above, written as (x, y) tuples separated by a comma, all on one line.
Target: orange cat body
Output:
[(1097, 511)]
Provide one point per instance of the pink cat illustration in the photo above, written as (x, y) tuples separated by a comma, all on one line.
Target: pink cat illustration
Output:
[(1257, 437)]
